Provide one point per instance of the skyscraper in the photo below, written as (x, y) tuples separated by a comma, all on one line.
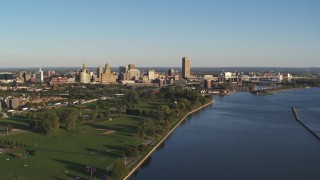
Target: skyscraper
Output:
[(39, 76), (171, 72), (185, 67), (131, 66), (84, 75), (99, 72), (151, 74), (105, 76)]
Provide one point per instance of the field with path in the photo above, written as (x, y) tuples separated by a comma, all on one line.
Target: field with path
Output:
[(66, 154)]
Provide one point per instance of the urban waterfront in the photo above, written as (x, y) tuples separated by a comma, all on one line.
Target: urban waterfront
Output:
[(243, 136)]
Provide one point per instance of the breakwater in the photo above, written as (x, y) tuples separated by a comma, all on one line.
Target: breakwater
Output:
[(297, 117), (164, 139)]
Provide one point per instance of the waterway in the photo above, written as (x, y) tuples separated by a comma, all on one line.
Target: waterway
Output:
[(243, 136)]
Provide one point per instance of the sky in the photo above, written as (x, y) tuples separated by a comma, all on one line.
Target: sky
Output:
[(158, 33)]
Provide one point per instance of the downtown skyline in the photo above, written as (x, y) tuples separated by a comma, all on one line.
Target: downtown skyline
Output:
[(149, 34)]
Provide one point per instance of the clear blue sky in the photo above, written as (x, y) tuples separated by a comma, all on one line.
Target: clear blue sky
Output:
[(214, 33)]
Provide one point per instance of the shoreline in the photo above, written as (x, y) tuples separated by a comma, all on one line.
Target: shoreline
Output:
[(165, 138), (271, 91)]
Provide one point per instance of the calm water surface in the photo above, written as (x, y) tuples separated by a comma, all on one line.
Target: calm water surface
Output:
[(243, 136)]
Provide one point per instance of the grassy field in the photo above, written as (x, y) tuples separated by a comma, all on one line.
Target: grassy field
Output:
[(66, 154)]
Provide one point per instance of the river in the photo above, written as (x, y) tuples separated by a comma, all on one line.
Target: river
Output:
[(243, 136)]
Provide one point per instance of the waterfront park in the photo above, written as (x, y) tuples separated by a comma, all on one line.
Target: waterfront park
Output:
[(102, 139)]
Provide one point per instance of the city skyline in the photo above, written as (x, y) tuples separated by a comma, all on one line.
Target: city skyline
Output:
[(158, 34)]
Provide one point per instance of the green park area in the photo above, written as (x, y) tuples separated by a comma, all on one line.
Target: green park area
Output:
[(99, 139)]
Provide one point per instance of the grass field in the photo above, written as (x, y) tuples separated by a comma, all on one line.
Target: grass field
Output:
[(66, 154)]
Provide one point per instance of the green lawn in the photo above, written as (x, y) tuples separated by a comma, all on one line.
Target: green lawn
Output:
[(152, 105), (65, 154)]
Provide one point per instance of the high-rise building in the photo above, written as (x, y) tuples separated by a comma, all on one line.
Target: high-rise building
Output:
[(6, 76), (208, 83), (107, 69), (185, 67), (106, 77), (84, 75), (151, 74), (21, 74), (51, 73), (39, 76), (131, 66), (171, 72), (27, 76), (99, 72), (123, 69)]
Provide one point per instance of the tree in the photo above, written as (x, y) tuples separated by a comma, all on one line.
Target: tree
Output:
[(29, 116), (119, 170), (147, 127), (49, 122), (164, 108), (132, 97), (132, 152), (71, 119), (9, 128)]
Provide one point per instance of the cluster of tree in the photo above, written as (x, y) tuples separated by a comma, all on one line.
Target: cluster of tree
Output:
[(175, 93), (119, 170), (132, 97), (139, 111), (314, 82), (90, 91), (147, 127), (49, 122), (13, 143), (179, 102), (132, 152), (68, 118), (148, 95), (7, 128)]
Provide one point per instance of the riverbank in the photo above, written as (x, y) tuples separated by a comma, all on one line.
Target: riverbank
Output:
[(271, 91), (165, 138)]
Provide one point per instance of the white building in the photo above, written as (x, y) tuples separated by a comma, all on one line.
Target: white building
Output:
[(39, 76), (227, 75), (151, 74), (84, 75)]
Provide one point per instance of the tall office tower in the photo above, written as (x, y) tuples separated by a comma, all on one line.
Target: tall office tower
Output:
[(208, 83), (105, 77), (134, 73), (185, 67), (21, 74), (131, 66), (151, 74), (27, 76), (107, 69), (171, 72), (123, 69), (84, 75), (51, 73), (99, 72), (39, 76)]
